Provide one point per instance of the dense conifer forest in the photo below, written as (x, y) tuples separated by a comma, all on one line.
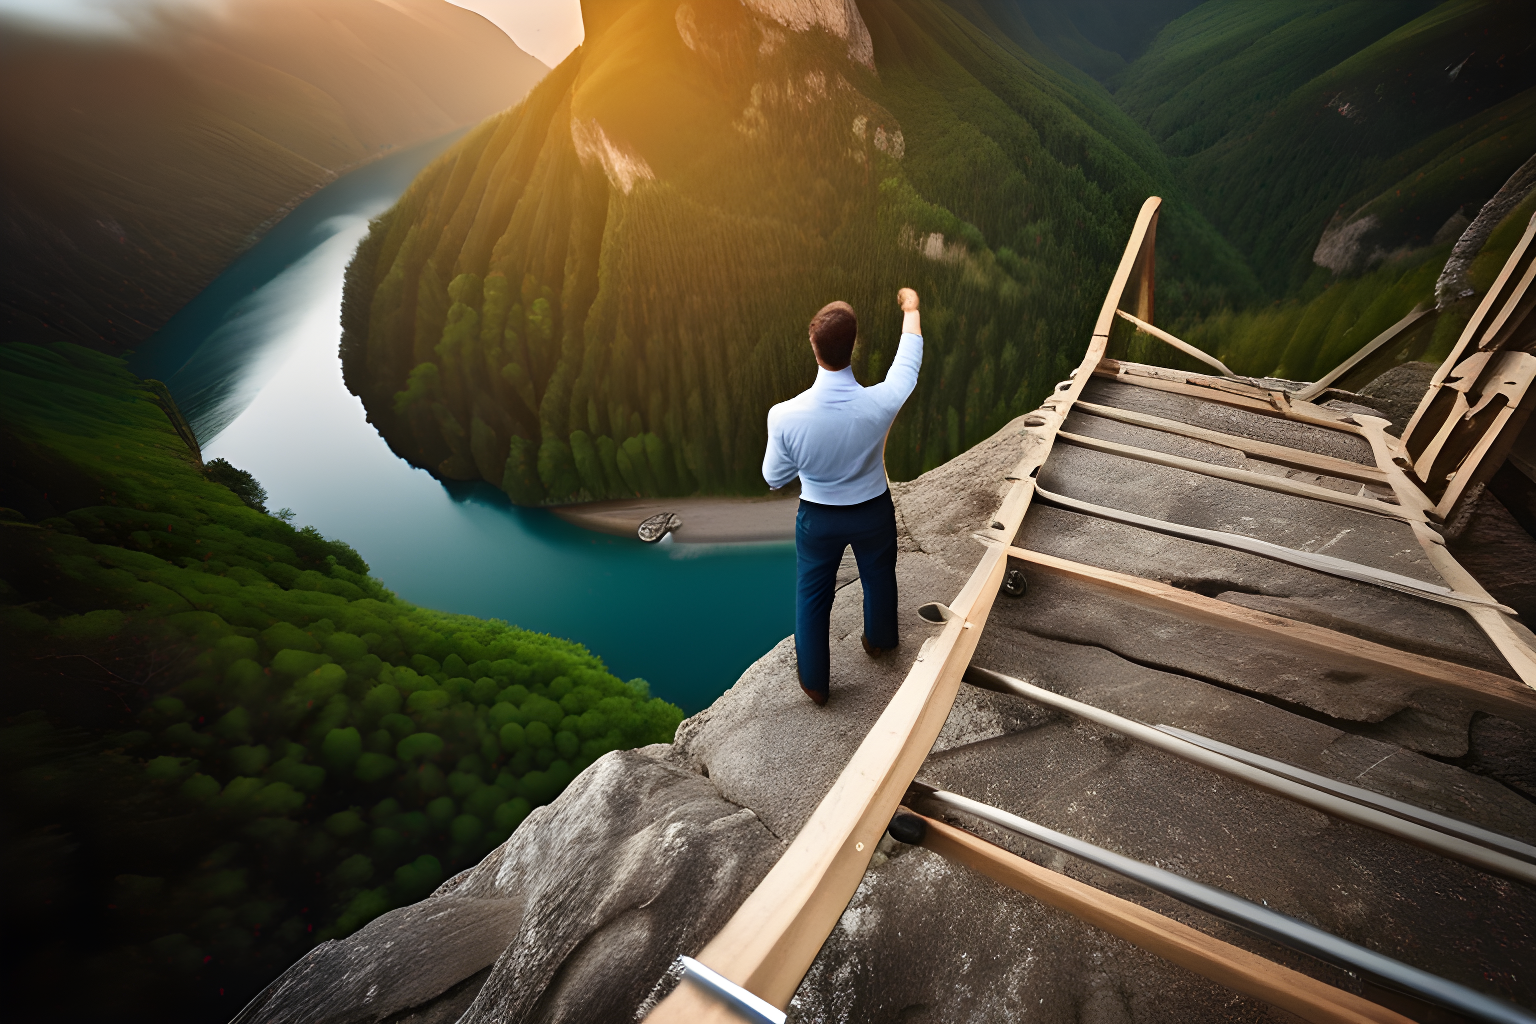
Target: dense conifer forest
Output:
[(600, 292), (608, 309)]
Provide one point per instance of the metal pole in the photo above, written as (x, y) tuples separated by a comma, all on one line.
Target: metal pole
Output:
[(1439, 842), (1410, 812), (1262, 921)]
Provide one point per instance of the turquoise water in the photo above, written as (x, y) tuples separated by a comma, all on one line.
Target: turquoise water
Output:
[(252, 362)]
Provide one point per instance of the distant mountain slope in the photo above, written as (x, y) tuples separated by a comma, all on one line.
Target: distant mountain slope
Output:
[(601, 292), (1373, 121), (131, 171)]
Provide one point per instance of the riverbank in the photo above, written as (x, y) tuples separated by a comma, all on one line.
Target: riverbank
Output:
[(706, 520)]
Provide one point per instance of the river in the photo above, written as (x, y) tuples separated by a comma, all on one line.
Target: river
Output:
[(252, 361)]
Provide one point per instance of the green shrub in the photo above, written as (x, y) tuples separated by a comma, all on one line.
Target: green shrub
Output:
[(168, 769), (399, 726), (417, 879), (295, 663), (248, 760), (566, 744), (371, 768), (419, 746), (428, 700), (465, 829), (200, 788), (512, 737), (345, 646), (285, 635), (235, 725), (354, 872), (345, 824), (440, 812), (382, 700), (342, 747), (538, 735), (279, 798), (306, 778), (511, 814)]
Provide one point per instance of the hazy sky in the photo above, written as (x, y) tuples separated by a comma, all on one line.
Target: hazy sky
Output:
[(548, 29)]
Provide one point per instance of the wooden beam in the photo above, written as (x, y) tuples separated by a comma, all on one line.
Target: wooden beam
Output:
[(1221, 962), (1325, 465), (1246, 477), (773, 938), (1512, 639), (1177, 343), (1224, 392), (1494, 296), (1496, 694), (1311, 391)]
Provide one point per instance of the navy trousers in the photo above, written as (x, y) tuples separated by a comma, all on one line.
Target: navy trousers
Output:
[(822, 532)]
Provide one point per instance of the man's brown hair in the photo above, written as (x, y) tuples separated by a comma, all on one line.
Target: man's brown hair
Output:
[(833, 331)]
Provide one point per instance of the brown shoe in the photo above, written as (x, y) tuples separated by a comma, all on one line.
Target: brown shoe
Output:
[(870, 649), (818, 697)]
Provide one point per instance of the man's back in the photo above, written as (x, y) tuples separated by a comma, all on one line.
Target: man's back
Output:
[(832, 436)]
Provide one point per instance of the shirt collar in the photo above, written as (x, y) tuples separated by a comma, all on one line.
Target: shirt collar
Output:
[(834, 379)]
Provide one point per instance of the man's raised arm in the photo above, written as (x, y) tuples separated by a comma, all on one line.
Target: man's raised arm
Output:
[(901, 378)]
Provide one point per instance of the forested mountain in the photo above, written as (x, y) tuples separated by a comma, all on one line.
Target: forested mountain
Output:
[(1342, 147), (132, 169), (601, 292), (1340, 131)]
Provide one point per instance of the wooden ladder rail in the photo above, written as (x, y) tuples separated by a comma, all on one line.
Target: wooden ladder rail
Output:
[(1225, 964), (771, 941)]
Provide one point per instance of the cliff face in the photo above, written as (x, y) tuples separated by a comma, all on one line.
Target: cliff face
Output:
[(135, 169), (599, 293), (579, 916)]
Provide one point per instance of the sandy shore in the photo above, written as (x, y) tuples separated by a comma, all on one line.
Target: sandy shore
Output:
[(706, 520)]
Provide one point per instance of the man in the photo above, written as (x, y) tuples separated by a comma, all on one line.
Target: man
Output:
[(833, 438)]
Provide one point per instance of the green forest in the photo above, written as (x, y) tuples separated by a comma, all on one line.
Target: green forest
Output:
[(265, 748), (600, 292)]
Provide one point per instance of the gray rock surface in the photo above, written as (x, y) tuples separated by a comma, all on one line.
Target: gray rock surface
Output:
[(580, 914)]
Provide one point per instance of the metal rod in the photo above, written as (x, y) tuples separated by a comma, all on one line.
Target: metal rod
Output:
[(1407, 811), (1260, 920), (1338, 807), (1305, 559), (747, 1006), (1181, 345)]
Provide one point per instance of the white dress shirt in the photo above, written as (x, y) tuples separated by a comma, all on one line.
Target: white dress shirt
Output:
[(832, 436)]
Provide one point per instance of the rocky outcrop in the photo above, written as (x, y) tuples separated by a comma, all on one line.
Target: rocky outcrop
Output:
[(580, 914), (1453, 283)]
